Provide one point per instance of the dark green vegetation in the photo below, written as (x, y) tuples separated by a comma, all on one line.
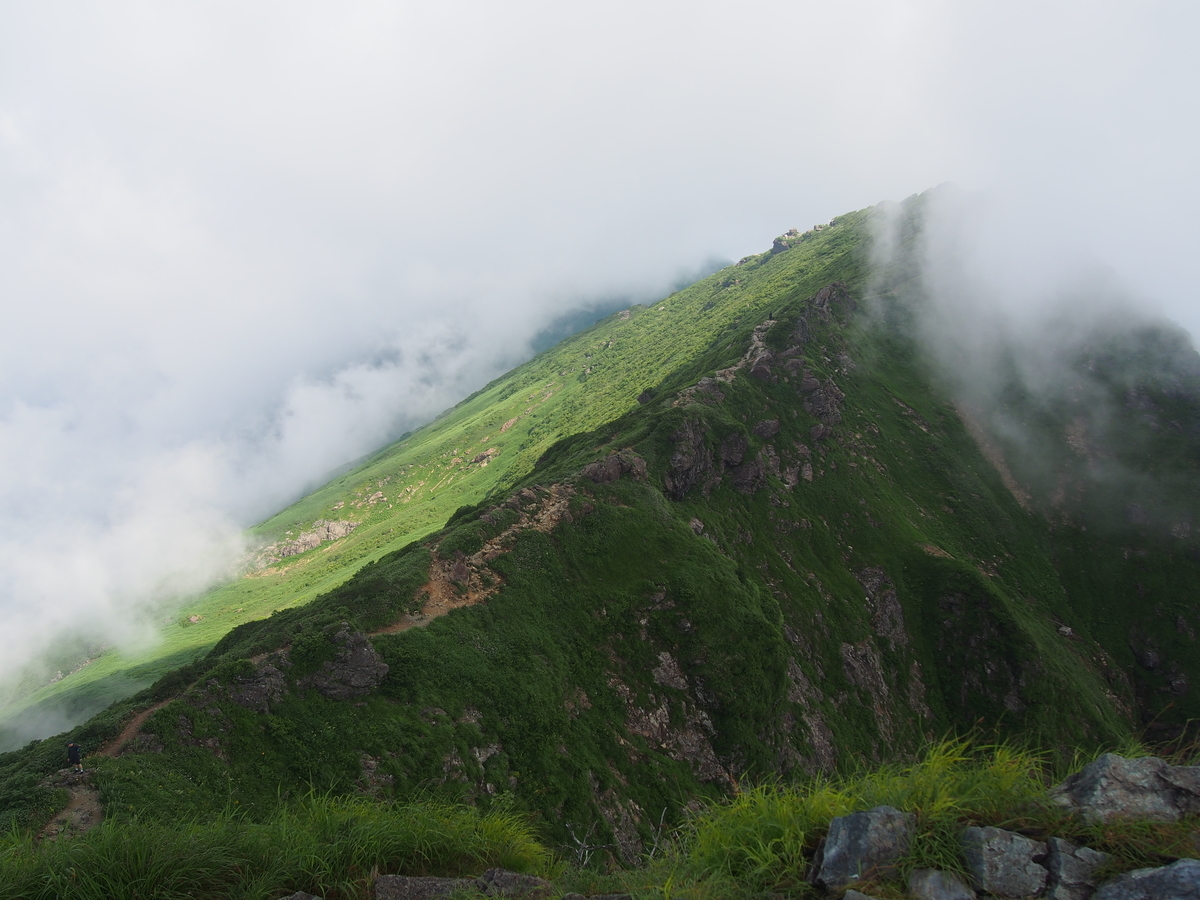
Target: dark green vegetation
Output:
[(333, 848), (739, 536), (757, 843)]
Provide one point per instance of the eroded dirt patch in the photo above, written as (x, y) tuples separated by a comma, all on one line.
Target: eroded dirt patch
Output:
[(462, 580), (83, 811)]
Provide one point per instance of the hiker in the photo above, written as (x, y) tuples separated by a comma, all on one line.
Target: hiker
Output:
[(75, 756)]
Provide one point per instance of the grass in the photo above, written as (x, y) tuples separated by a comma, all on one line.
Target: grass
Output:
[(762, 840), (587, 380), (330, 847), (757, 843)]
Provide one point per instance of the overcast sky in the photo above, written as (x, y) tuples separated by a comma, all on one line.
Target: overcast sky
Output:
[(242, 243)]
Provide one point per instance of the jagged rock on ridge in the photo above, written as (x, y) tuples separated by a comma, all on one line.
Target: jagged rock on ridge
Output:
[(934, 884), (691, 462), (863, 845), (1145, 788), (357, 669), (1004, 863), (256, 692), (1178, 881), (1071, 869), (613, 466)]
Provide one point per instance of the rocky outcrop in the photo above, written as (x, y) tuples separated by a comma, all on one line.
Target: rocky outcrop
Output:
[(934, 884), (1148, 788), (1004, 863), (863, 846), (691, 462), (1178, 881), (492, 883), (825, 403), (613, 466), (356, 670), (1072, 870), (266, 685), (321, 532)]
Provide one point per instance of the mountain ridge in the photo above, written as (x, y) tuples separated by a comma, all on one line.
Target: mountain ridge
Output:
[(790, 557)]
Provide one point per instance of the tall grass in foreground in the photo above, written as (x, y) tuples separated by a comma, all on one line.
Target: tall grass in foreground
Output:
[(330, 847), (762, 840)]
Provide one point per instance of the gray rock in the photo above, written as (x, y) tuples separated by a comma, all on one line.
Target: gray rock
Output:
[(934, 884), (356, 670), (1071, 870), (863, 845), (1178, 881), (408, 887), (503, 883), (857, 895), (766, 429), (691, 462), (256, 692), (1004, 863), (300, 895), (1146, 788)]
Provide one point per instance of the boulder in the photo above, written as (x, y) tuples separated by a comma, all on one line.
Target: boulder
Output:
[(857, 895), (503, 883), (766, 429), (1178, 881), (934, 884), (613, 466), (1114, 787), (1071, 870), (356, 670), (1004, 863), (423, 887), (863, 845)]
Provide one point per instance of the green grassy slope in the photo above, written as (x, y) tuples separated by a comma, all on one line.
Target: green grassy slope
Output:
[(588, 379), (807, 563)]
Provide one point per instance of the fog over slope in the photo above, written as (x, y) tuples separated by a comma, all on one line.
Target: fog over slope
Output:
[(241, 246)]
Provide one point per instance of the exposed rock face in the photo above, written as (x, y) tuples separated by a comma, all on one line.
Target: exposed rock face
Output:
[(766, 429), (863, 845), (407, 887), (887, 615), (1004, 863), (825, 403), (266, 686), (1178, 881), (1147, 788), (493, 883), (613, 466), (322, 530), (933, 884), (1071, 870), (687, 740), (356, 670), (691, 463)]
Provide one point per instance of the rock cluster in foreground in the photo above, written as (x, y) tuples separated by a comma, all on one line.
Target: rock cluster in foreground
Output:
[(867, 846)]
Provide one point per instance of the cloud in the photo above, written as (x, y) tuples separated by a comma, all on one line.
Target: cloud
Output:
[(240, 245)]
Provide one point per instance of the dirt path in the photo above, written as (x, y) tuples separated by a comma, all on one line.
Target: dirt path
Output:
[(113, 748), (468, 580), (83, 811)]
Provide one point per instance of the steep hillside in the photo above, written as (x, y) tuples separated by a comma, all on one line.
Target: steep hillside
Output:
[(486, 443), (779, 550)]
